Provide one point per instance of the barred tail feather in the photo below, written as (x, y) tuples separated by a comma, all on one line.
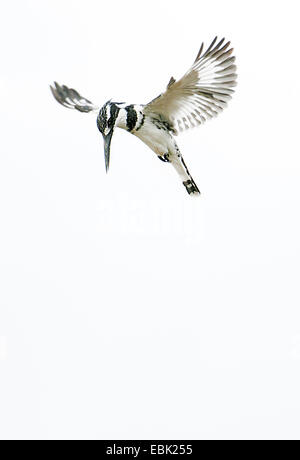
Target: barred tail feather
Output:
[(179, 164), (191, 187), (189, 183)]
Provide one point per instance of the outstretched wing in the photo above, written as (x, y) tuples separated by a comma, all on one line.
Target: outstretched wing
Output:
[(70, 98), (201, 93)]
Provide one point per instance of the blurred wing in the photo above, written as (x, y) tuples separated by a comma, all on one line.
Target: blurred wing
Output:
[(201, 93), (69, 98)]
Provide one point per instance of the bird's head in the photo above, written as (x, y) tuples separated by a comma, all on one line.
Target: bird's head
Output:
[(106, 121)]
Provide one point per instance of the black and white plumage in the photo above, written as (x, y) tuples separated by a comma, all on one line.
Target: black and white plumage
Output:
[(199, 95)]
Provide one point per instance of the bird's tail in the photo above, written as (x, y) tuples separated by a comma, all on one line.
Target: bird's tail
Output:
[(180, 166), (191, 186)]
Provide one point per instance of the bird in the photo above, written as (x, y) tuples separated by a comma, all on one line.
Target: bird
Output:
[(201, 94)]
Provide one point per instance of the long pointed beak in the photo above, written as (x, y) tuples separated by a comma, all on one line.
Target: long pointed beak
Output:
[(107, 141)]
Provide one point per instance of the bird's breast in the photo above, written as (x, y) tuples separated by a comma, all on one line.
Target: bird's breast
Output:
[(158, 139), (130, 117)]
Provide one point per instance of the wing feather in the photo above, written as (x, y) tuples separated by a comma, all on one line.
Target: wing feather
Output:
[(70, 98), (202, 92)]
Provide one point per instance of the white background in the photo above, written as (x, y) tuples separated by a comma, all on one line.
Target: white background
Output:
[(128, 309)]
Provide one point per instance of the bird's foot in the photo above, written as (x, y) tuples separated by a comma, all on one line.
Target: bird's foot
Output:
[(164, 158)]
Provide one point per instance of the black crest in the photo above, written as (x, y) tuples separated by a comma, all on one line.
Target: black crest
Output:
[(107, 116), (102, 118)]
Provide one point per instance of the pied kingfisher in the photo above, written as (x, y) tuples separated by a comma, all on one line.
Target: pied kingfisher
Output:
[(199, 95)]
